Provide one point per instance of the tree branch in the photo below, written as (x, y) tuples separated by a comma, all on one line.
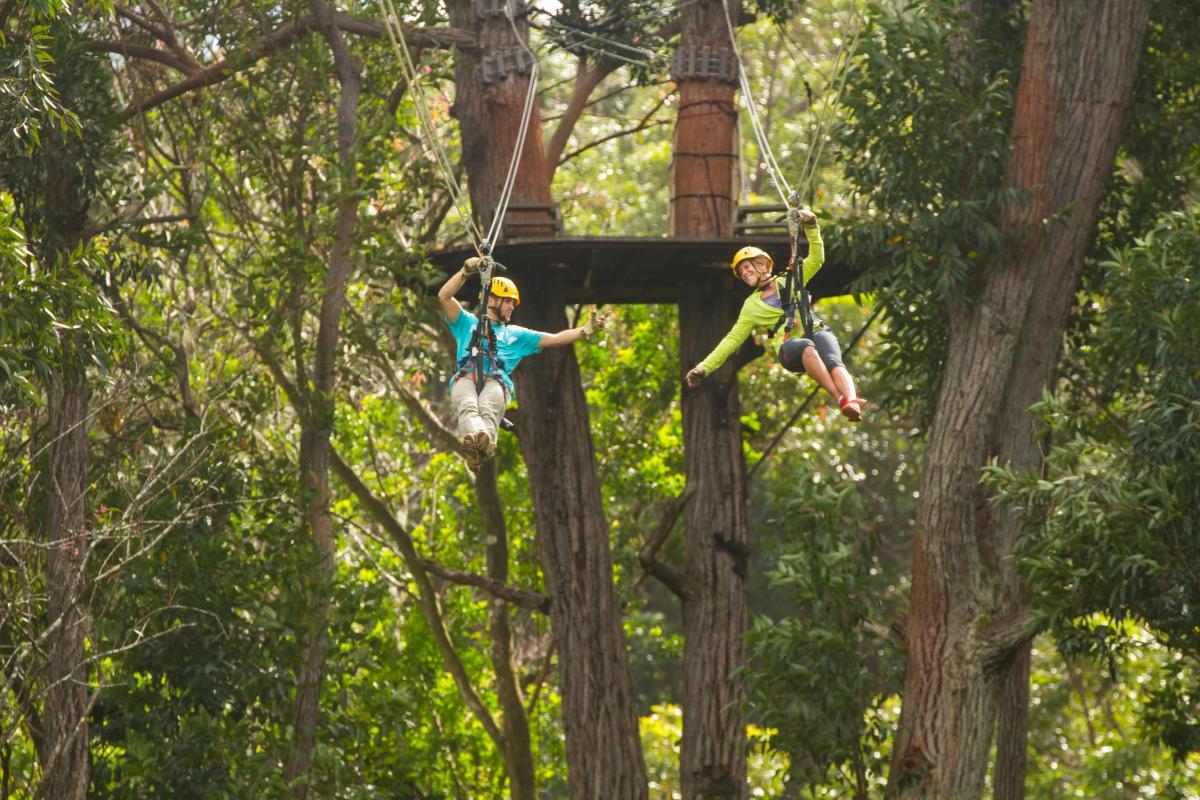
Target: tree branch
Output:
[(586, 81), (669, 577), (642, 125), (1004, 634), (141, 22), (130, 51), (524, 598), (426, 594), (165, 33), (279, 39), (140, 222)]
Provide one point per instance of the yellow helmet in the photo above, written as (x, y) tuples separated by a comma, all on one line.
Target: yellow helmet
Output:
[(749, 252), (503, 287)]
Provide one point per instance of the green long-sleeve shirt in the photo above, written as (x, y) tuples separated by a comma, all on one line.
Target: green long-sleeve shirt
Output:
[(756, 313)]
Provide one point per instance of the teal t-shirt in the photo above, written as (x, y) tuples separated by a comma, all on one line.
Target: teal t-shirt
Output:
[(512, 344)]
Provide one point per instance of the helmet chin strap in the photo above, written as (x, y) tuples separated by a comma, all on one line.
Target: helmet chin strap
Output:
[(494, 311)]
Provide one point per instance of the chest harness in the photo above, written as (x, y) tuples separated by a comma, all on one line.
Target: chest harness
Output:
[(796, 299), (482, 358)]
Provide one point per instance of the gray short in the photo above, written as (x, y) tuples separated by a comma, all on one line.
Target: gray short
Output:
[(791, 354)]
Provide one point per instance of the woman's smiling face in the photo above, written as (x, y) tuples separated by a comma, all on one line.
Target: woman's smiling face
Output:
[(753, 271)]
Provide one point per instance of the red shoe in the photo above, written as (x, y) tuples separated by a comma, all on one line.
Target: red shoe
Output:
[(852, 408)]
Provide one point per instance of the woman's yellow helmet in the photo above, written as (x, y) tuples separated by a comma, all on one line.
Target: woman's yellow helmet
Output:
[(503, 287), (749, 252)]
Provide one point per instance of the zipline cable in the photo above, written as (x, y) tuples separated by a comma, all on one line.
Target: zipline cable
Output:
[(795, 294), (404, 56), (526, 113), (764, 146), (483, 243), (572, 30), (568, 45), (839, 76)]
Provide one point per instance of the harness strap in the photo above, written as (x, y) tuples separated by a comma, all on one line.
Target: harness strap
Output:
[(794, 299), (483, 339)]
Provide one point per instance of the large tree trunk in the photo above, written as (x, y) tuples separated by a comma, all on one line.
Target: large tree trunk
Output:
[(604, 755), (318, 416), (968, 620), (65, 764), (65, 761), (713, 753)]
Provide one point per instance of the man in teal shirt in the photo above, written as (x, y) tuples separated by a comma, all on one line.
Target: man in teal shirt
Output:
[(820, 357), (479, 401)]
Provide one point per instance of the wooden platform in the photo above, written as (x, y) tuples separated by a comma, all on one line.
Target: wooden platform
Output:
[(623, 269)]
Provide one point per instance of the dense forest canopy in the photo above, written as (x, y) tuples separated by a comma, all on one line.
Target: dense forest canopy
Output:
[(243, 553)]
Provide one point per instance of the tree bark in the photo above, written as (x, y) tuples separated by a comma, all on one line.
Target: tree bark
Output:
[(703, 180), (1012, 733), (65, 762), (604, 755), (489, 117), (967, 612), (65, 767), (318, 416)]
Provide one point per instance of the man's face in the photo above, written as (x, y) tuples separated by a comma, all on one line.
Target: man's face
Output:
[(502, 307), (754, 271)]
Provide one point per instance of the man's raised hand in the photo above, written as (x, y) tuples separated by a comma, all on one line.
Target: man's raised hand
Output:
[(597, 321)]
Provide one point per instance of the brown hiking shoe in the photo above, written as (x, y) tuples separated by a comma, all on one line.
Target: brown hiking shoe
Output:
[(473, 445)]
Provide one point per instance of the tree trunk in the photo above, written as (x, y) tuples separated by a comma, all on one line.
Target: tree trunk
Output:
[(489, 116), (604, 755), (1008, 779), (713, 751), (317, 420), (65, 767), (968, 617), (65, 763), (518, 750)]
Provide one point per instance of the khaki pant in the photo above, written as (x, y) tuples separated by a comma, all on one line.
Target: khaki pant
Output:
[(478, 412)]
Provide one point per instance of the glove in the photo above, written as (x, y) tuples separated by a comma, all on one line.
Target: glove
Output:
[(472, 265), (807, 218), (596, 321), (694, 376)]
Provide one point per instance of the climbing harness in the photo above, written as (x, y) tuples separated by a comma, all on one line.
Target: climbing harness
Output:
[(482, 357), (794, 301)]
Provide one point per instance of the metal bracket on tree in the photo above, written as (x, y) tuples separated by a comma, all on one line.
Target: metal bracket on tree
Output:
[(705, 63), (487, 9), (497, 65)]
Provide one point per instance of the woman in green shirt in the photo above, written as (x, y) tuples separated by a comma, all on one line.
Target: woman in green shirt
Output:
[(820, 357)]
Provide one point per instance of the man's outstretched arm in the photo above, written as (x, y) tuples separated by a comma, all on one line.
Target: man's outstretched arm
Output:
[(571, 335)]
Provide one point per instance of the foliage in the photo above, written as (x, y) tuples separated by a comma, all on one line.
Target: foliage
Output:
[(1111, 522), (31, 100), (661, 731), (1085, 734), (1160, 151), (199, 581), (807, 676), (925, 146)]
